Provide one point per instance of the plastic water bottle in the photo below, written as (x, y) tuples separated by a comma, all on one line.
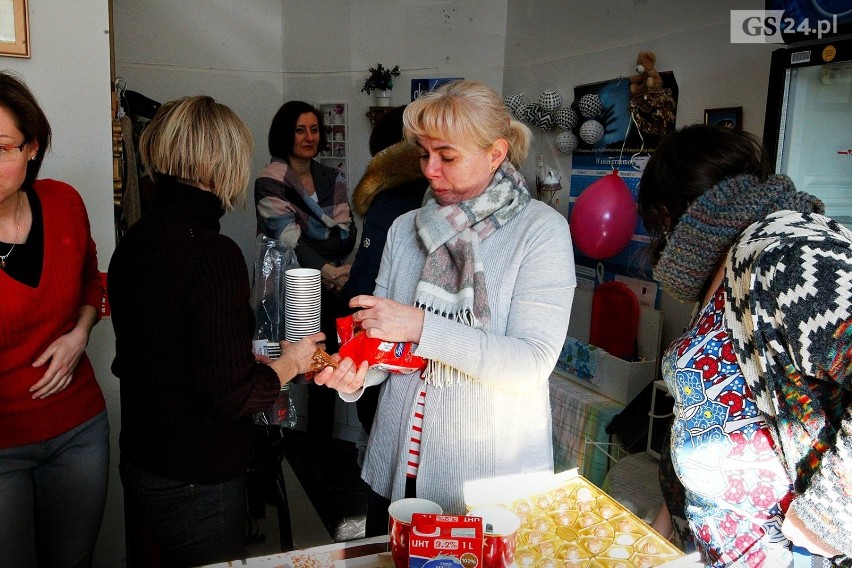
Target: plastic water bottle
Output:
[(283, 412)]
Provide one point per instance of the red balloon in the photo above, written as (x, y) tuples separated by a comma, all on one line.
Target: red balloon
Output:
[(603, 218)]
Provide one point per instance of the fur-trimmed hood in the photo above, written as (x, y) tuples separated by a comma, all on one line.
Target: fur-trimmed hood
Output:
[(394, 166)]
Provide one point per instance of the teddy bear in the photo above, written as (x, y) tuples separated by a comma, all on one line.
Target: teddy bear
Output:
[(646, 78)]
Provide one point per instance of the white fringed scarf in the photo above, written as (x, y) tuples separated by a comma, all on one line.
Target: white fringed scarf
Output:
[(452, 283)]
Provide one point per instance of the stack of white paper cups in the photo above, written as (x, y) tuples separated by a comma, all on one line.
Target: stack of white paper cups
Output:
[(301, 303)]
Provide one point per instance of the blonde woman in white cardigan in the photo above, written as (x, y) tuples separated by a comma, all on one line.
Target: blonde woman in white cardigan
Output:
[(482, 279)]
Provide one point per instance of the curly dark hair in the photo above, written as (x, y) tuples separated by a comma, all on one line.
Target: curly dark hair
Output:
[(282, 131), (688, 162)]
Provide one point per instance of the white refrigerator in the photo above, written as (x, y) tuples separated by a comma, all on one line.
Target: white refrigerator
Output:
[(808, 127)]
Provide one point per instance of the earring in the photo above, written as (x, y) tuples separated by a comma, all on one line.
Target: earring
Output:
[(32, 158)]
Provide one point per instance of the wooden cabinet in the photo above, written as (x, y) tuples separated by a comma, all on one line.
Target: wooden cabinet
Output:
[(336, 152)]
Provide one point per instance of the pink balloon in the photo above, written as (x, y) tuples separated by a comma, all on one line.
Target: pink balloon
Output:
[(603, 218)]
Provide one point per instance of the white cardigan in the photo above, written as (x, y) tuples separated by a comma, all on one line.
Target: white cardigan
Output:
[(499, 423)]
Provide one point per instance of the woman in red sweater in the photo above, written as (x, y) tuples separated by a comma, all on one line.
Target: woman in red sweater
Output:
[(54, 434)]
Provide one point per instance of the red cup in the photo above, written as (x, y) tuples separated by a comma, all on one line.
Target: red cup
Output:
[(501, 527), (400, 525)]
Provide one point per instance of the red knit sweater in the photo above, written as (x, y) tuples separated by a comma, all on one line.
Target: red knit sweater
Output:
[(32, 318)]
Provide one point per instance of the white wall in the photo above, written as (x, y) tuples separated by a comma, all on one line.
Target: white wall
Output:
[(254, 56), (559, 45), (68, 71)]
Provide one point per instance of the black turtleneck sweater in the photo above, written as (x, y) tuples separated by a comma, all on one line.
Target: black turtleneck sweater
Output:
[(183, 324)]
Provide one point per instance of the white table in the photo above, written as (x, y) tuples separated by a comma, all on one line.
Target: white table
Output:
[(356, 554), (325, 556)]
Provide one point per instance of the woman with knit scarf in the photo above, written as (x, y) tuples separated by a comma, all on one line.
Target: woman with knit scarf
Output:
[(761, 378), (482, 279)]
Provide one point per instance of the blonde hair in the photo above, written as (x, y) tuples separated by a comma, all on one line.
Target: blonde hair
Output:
[(467, 111), (203, 142)]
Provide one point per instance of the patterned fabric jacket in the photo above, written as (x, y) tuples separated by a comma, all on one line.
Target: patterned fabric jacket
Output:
[(789, 283), (320, 231)]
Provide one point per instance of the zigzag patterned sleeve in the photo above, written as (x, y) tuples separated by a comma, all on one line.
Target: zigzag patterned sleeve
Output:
[(800, 306)]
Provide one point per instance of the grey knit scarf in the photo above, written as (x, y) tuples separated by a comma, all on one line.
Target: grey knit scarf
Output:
[(714, 220), (452, 283)]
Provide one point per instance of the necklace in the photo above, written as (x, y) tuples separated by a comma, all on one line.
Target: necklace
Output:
[(3, 257)]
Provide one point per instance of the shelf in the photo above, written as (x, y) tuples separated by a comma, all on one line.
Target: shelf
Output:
[(336, 153)]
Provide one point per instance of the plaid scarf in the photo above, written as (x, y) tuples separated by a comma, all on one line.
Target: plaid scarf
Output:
[(452, 283), (292, 213)]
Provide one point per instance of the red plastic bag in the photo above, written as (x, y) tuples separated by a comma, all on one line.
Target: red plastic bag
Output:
[(380, 354)]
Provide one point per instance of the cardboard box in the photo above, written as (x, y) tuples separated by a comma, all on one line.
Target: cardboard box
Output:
[(620, 380), (445, 541)]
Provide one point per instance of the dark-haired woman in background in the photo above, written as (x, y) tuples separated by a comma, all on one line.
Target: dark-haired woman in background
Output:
[(305, 205), (761, 379), (54, 435)]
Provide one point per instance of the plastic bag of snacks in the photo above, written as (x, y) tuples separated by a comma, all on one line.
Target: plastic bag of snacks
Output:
[(383, 355)]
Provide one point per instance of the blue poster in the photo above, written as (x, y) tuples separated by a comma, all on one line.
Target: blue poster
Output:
[(618, 144), (423, 86)]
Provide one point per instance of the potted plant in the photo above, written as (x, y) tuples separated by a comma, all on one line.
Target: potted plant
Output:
[(381, 81)]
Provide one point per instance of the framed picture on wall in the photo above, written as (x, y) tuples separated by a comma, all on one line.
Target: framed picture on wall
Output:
[(14, 28), (729, 117)]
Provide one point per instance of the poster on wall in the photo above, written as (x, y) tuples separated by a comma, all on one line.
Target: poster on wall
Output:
[(423, 86), (619, 131)]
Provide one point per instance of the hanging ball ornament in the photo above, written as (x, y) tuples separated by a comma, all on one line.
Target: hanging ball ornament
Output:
[(590, 106), (532, 113), (545, 120), (603, 218), (515, 103), (566, 118), (566, 142), (591, 132), (549, 100)]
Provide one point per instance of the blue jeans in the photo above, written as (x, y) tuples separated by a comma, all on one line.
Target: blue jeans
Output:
[(188, 524), (52, 497)]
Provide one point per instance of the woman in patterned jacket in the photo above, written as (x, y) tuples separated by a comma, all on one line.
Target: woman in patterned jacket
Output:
[(761, 437)]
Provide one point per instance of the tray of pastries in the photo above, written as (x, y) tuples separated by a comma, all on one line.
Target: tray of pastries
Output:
[(568, 522)]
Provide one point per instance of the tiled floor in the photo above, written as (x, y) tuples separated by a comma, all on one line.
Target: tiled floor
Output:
[(326, 495), (328, 473)]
